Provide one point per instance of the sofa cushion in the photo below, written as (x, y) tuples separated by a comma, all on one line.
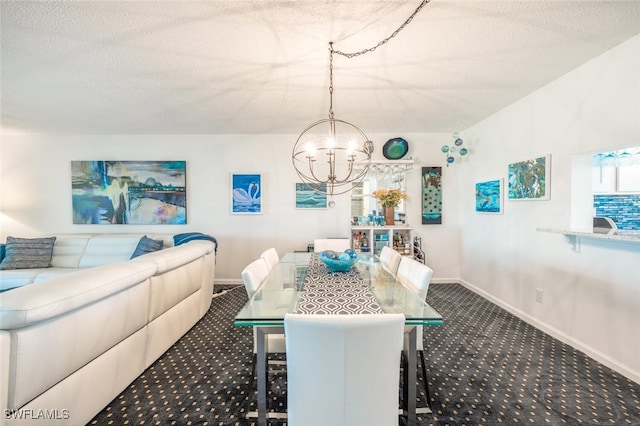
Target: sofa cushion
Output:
[(147, 245), (48, 299), (28, 253), (19, 277)]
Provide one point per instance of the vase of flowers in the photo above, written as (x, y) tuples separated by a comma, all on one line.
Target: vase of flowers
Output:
[(389, 199)]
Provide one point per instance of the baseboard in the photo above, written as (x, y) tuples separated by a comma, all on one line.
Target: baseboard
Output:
[(595, 354), (227, 281)]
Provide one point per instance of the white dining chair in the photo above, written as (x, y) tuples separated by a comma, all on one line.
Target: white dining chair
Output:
[(335, 244), (271, 257), (253, 276), (390, 259), (416, 276), (343, 369)]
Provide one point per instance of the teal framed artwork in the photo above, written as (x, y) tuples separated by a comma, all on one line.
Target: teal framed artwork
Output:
[(308, 198), (129, 192), (246, 193), (431, 195), (489, 196), (530, 179)]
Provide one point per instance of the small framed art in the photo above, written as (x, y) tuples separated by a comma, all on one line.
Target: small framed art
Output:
[(307, 198), (530, 179), (490, 196), (246, 193)]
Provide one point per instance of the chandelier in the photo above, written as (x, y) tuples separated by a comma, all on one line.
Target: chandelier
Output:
[(333, 155)]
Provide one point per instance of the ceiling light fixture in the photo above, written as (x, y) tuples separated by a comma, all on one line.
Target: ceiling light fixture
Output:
[(332, 155)]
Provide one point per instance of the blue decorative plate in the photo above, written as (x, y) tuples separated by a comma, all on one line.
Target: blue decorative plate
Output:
[(395, 149)]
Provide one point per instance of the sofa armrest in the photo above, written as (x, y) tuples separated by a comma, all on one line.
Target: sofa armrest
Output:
[(177, 256), (40, 301)]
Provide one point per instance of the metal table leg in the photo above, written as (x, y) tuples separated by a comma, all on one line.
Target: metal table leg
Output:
[(410, 372)]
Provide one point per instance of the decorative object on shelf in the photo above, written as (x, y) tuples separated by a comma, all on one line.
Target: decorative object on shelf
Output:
[(338, 262), (395, 149), (452, 150), (432, 195), (490, 196), (530, 179), (246, 193), (339, 144), (129, 192), (418, 254), (389, 199)]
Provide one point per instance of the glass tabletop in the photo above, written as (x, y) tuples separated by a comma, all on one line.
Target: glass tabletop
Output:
[(282, 289)]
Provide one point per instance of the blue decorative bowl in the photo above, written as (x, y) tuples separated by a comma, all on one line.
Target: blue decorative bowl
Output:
[(338, 262)]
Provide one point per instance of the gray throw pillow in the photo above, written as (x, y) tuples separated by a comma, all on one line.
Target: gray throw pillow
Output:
[(27, 253), (147, 245)]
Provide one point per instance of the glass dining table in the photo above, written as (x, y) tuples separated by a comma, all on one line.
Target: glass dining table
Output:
[(300, 283)]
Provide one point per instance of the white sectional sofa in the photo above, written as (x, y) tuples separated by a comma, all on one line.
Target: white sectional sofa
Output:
[(77, 334)]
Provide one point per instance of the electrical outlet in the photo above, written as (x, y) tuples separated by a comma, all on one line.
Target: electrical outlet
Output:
[(539, 294)]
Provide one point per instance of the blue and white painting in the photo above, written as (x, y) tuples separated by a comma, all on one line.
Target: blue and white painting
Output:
[(129, 192), (246, 193), (308, 198), (489, 196)]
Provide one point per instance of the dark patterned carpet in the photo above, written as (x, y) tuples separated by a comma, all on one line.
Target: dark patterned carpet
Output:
[(486, 367)]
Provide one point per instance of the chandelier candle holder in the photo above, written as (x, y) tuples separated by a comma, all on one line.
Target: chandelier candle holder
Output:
[(456, 149)]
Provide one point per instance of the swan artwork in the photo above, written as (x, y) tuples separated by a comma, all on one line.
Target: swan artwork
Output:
[(250, 196)]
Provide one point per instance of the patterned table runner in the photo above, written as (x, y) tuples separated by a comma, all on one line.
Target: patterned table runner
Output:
[(335, 293)]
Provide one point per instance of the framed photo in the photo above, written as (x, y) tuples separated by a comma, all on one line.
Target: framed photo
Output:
[(490, 196), (307, 198), (530, 179), (431, 195), (246, 193), (129, 192)]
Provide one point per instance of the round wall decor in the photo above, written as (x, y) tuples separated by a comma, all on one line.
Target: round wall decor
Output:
[(395, 149)]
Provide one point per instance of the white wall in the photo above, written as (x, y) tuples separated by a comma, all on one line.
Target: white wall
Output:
[(35, 196), (591, 297)]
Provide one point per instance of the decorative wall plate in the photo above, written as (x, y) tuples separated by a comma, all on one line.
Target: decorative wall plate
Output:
[(395, 149)]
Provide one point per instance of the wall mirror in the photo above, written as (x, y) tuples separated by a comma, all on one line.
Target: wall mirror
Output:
[(382, 175)]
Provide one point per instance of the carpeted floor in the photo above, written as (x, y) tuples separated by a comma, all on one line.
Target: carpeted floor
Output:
[(485, 365)]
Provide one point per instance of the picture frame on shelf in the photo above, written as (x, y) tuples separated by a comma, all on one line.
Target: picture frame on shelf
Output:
[(246, 193)]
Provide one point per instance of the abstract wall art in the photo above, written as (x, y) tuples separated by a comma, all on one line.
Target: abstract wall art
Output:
[(246, 193), (530, 179), (431, 195), (489, 196), (129, 192), (307, 198)]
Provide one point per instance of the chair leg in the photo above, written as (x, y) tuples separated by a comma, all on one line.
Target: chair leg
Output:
[(424, 378)]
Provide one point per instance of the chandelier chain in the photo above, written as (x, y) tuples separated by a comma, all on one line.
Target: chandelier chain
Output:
[(384, 41)]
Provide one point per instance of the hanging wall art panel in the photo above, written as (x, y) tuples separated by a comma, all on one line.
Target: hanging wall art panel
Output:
[(307, 198), (129, 192), (489, 196), (246, 193), (530, 179), (431, 195)]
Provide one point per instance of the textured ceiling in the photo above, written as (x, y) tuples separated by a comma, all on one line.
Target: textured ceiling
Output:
[(261, 66)]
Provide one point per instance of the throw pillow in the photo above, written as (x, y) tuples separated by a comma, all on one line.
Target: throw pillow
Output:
[(1, 252), (27, 253), (147, 245)]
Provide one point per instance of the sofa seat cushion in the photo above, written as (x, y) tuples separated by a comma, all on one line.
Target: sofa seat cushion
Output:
[(51, 298), (14, 278)]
